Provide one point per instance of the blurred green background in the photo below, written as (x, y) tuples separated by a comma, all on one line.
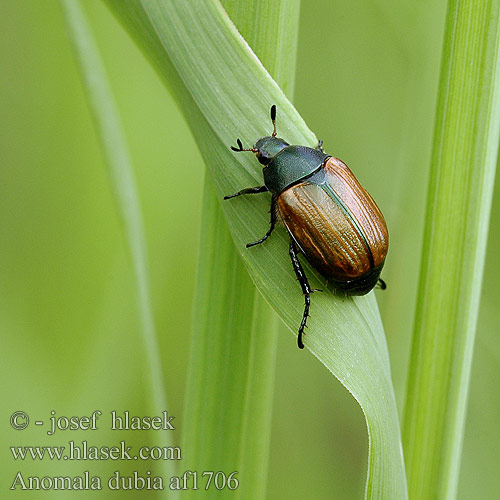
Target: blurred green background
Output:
[(366, 83)]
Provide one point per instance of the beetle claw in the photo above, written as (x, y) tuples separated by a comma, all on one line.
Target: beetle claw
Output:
[(381, 284), (319, 147)]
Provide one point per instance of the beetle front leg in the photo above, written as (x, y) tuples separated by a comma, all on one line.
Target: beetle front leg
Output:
[(254, 190), (319, 147), (306, 289), (271, 227)]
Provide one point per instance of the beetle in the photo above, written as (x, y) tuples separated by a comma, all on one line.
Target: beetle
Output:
[(331, 219)]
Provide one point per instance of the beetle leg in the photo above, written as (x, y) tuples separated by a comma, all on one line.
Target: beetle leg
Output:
[(254, 190), (319, 147), (271, 227), (306, 289), (381, 284)]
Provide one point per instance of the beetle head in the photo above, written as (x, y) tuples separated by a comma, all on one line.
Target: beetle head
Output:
[(266, 148)]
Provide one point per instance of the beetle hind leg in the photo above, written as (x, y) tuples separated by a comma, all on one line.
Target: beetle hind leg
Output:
[(306, 289), (271, 227)]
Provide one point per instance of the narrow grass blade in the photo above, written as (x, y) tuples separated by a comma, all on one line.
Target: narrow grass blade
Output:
[(225, 92), (233, 334), (233, 352), (103, 108), (460, 192)]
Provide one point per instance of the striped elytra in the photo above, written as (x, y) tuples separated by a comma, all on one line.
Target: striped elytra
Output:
[(337, 226)]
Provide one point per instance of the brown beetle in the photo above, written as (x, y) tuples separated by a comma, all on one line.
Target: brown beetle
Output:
[(331, 218)]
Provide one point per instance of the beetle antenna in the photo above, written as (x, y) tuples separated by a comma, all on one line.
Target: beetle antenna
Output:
[(273, 119), (241, 148)]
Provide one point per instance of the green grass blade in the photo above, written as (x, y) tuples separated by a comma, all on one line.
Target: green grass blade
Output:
[(225, 92), (233, 352), (231, 374), (105, 113), (459, 200), (233, 335)]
